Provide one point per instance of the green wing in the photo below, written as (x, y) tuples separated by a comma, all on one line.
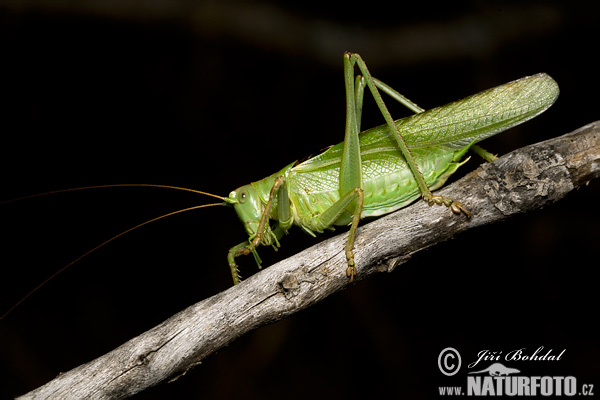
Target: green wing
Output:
[(481, 115)]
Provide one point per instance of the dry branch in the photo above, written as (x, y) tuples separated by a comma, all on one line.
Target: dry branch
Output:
[(521, 181)]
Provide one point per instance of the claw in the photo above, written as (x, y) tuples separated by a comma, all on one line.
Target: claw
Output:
[(457, 208), (351, 272)]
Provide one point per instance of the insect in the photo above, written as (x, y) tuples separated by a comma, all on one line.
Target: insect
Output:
[(384, 168), (377, 171)]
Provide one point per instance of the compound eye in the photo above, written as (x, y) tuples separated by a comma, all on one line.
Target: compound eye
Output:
[(243, 196)]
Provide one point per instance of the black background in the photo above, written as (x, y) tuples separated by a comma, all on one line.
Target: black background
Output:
[(213, 95)]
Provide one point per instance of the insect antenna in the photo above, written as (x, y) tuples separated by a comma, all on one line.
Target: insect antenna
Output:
[(31, 196), (114, 237)]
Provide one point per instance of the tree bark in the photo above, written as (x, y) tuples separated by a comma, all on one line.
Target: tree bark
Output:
[(521, 181)]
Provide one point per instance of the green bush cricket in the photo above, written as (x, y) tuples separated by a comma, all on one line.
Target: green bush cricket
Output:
[(374, 172), (381, 169)]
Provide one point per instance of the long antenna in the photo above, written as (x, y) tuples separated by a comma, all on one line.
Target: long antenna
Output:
[(112, 238), (110, 186)]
